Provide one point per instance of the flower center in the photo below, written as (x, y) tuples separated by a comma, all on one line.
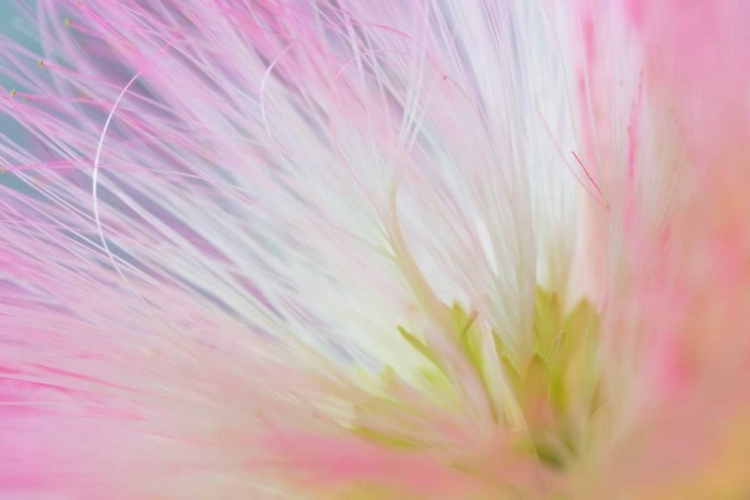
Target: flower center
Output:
[(546, 402)]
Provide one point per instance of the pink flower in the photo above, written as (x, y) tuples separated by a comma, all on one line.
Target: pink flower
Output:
[(414, 249)]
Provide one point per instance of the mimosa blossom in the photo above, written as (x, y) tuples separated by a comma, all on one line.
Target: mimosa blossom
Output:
[(348, 249)]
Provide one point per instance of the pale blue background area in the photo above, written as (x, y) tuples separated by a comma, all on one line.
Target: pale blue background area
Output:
[(7, 11), (9, 21), (12, 26), (7, 16), (16, 26)]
